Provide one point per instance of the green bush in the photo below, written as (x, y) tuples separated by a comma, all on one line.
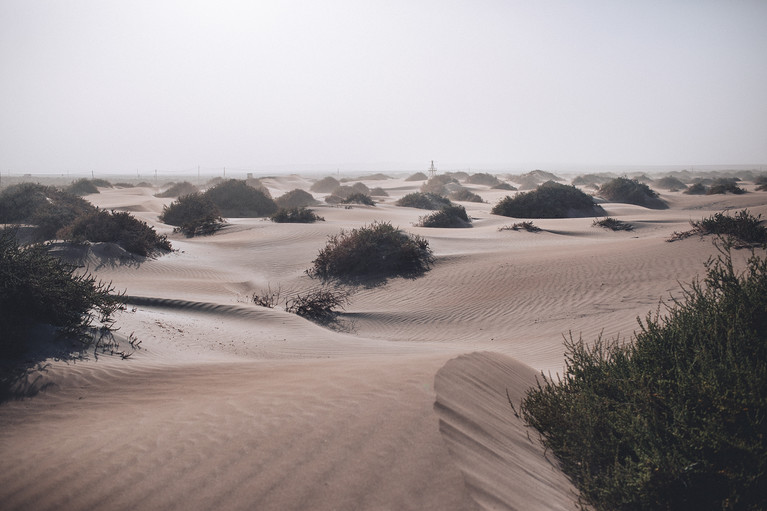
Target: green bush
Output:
[(464, 195), (234, 198), (549, 200), (295, 199), (179, 189), (193, 215), (449, 216), (359, 198), (325, 185), (38, 289), (82, 187), (744, 227), (377, 251), (121, 227), (295, 216), (423, 201), (676, 419), (631, 191)]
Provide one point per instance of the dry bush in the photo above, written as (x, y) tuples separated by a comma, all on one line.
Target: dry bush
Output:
[(631, 191), (449, 216), (295, 216), (613, 224), (418, 176), (178, 189), (423, 201), (325, 185), (525, 226), (549, 200), (295, 199)]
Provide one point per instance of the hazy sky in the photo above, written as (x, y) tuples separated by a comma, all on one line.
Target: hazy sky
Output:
[(116, 86)]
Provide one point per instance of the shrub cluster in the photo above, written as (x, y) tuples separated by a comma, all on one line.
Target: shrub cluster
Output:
[(82, 187), (483, 178), (378, 192), (676, 419), (549, 200), (761, 182), (504, 186), (743, 229), (325, 185), (423, 201), (724, 185), (194, 215), (295, 199), (464, 195), (122, 228), (448, 216), (359, 198), (613, 224), (534, 178), (527, 226), (437, 185), (418, 176), (178, 189), (593, 180), (696, 189), (377, 251), (295, 216), (234, 198), (670, 183), (38, 289), (631, 191)]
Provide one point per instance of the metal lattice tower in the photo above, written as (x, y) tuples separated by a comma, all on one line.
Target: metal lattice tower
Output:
[(432, 169)]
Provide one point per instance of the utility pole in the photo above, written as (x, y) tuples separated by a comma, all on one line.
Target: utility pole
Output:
[(432, 169)]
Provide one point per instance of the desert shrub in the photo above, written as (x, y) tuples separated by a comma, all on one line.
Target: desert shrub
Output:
[(423, 201), (378, 192), (359, 198), (725, 185), (193, 215), (592, 179), (677, 418), (465, 195), (761, 182), (82, 187), (483, 178), (449, 216), (549, 200), (526, 226), (742, 230), (418, 176), (46, 207), (144, 184), (375, 177), (504, 186), (343, 191), (319, 305), (295, 199), (38, 289), (458, 175), (361, 188), (437, 184), (120, 227), (295, 216), (234, 198), (534, 178), (325, 185), (670, 183), (178, 189), (377, 251), (631, 191), (333, 199), (613, 224), (696, 189), (124, 185), (101, 183), (256, 183)]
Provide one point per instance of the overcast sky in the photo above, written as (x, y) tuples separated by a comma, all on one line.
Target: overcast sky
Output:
[(120, 86)]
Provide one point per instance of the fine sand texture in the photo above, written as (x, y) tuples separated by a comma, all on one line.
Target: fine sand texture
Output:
[(402, 405)]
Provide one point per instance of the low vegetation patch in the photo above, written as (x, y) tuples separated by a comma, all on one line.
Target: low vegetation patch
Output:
[(550, 200), (465, 195), (178, 189), (377, 251), (592, 180), (534, 178), (483, 178), (761, 183), (524, 226), (193, 215), (82, 187), (437, 184), (743, 229), (418, 176), (676, 418), (696, 189), (325, 185), (359, 198), (378, 192), (670, 183), (449, 216), (38, 289), (613, 224), (504, 186), (320, 305), (295, 216), (234, 198), (423, 201), (132, 234), (724, 185), (295, 199), (631, 191)]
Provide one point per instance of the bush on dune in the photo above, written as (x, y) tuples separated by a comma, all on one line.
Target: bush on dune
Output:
[(38, 289), (464, 195), (325, 185), (483, 178), (437, 185), (423, 201), (677, 418), (295, 216), (179, 189), (723, 185), (631, 191), (377, 251), (122, 228), (504, 186), (418, 176), (549, 200), (449, 216), (670, 183), (234, 198), (696, 189), (378, 192), (743, 229), (82, 187), (193, 215), (295, 199), (761, 182), (613, 224), (359, 198)]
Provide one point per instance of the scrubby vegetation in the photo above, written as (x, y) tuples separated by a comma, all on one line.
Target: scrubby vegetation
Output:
[(438, 184), (631, 191), (613, 224), (193, 215), (592, 180), (423, 201), (38, 289), (295, 216), (725, 185), (82, 187), (234, 198), (449, 216), (534, 178), (696, 189), (670, 183), (377, 251), (483, 178), (504, 186), (464, 195), (761, 183), (677, 418), (325, 185), (550, 200), (525, 226), (359, 198), (418, 176), (295, 199), (320, 305), (121, 227), (178, 189), (744, 229)]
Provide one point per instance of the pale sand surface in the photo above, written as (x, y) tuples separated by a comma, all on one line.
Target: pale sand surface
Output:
[(402, 406)]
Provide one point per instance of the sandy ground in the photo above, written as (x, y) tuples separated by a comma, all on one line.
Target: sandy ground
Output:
[(403, 405)]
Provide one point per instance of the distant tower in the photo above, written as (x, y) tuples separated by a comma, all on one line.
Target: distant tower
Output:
[(432, 169)]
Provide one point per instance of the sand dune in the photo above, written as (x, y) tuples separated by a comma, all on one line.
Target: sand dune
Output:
[(402, 405)]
